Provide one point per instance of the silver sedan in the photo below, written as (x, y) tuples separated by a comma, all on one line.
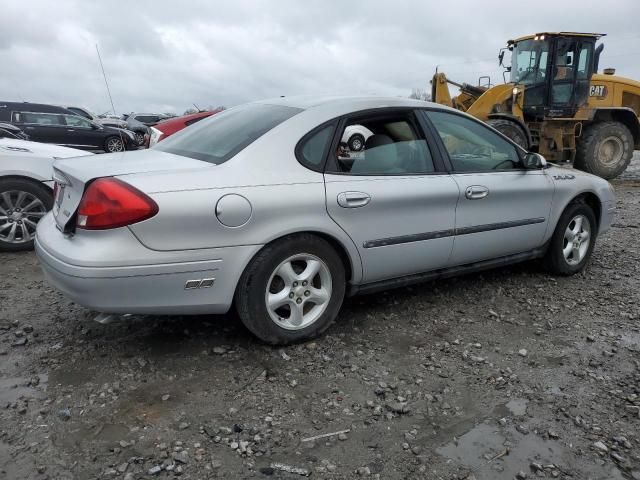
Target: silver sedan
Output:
[(265, 208)]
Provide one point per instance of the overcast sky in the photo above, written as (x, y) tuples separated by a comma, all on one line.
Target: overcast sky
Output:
[(166, 55)]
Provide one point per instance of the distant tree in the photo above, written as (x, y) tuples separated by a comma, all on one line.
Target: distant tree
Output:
[(189, 111), (420, 94)]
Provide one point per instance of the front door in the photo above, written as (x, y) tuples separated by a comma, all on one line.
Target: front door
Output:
[(81, 133), (503, 208), (389, 198)]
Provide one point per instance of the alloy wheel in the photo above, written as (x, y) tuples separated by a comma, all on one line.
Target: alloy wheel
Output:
[(577, 238), (115, 145), (19, 214), (298, 291)]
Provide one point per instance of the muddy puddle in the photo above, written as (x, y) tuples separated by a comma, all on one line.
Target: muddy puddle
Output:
[(14, 388), (495, 452)]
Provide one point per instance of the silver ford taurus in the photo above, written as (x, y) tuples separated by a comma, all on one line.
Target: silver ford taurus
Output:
[(265, 206)]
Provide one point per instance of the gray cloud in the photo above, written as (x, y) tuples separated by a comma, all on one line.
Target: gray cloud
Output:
[(162, 55)]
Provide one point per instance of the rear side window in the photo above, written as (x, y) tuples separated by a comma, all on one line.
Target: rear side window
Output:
[(225, 134), (312, 150), (194, 120), (34, 118)]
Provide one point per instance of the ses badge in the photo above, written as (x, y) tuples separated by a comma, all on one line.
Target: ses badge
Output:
[(598, 91)]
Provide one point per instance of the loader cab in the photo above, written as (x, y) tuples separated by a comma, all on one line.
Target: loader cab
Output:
[(555, 70)]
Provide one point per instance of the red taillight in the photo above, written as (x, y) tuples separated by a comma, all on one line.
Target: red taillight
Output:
[(111, 203)]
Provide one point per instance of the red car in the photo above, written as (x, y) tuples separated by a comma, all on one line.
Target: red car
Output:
[(162, 130)]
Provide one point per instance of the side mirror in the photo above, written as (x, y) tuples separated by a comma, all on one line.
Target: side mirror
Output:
[(534, 161), (500, 57), (95, 126)]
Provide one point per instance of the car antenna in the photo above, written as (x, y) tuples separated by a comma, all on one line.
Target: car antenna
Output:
[(104, 75)]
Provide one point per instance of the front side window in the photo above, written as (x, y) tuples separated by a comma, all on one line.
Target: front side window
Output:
[(81, 112), (34, 118), (383, 145), (471, 146), (223, 135), (76, 121)]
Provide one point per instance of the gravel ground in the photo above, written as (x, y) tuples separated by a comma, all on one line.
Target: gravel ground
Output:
[(506, 374)]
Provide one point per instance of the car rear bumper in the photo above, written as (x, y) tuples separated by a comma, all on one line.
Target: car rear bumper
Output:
[(170, 283)]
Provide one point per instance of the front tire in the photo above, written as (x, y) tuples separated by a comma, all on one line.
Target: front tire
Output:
[(573, 240), (605, 149), (292, 290), (22, 204), (511, 130), (114, 144)]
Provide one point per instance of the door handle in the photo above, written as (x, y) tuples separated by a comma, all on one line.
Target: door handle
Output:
[(353, 199), (70, 130), (476, 192)]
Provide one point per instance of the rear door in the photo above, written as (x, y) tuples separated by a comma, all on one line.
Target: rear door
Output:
[(41, 127), (503, 208), (392, 197)]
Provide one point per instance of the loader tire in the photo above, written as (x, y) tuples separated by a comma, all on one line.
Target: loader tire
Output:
[(604, 149), (511, 130)]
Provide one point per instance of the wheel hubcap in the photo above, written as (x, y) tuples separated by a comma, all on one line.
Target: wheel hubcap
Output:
[(115, 145), (611, 151), (577, 238), (298, 291), (357, 144), (19, 214)]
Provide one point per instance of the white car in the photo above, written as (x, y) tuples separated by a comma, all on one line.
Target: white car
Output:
[(355, 136), (26, 188)]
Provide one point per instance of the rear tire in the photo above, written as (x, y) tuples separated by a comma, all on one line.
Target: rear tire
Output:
[(22, 204), (511, 130), (262, 288), (567, 253), (604, 149)]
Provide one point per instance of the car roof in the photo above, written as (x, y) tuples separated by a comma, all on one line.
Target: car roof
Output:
[(35, 107), (307, 102)]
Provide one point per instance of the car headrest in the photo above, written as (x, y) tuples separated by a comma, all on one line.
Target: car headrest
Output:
[(377, 140)]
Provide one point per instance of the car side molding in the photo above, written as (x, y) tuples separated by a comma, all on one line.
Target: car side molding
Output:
[(445, 272)]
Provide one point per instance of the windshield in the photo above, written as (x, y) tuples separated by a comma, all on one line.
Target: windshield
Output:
[(221, 136), (529, 61)]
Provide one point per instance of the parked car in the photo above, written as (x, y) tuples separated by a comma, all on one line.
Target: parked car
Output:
[(26, 188), (253, 207), (8, 130), (89, 115), (54, 124), (167, 128), (355, 137), (149, 119), (141, 131)]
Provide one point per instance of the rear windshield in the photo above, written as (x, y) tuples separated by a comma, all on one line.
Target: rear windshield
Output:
[(221, 136)]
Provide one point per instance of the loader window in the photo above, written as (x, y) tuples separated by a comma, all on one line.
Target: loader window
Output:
[(472, 147), (529, 62)]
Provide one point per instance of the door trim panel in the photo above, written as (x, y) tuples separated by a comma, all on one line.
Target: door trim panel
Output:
[(418, 237)]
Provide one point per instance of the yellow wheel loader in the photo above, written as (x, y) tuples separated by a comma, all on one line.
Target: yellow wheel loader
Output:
[(556, 103)]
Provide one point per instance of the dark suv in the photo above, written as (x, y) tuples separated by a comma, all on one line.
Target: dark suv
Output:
[(53, 124)]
